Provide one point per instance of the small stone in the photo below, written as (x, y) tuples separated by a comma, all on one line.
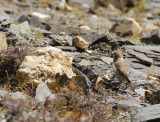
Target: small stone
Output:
[(106, 77), (80, 43), (85, 28)]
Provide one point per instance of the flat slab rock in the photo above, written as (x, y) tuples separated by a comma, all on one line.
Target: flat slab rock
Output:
[(144, 58), (148, 113)]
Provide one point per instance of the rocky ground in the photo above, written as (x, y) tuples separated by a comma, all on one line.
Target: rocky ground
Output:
[(56, 60)]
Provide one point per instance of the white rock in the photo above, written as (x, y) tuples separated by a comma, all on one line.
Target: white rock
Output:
[(41, 15), (43, 93), (85, 28), (44, 65), (80, 43)]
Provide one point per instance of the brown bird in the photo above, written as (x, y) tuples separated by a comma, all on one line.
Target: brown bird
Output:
[(121, 70)]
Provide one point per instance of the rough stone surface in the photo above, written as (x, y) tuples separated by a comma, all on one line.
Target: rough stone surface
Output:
[(94, 38), (128, 27), (20, 29), (79, 42), (48, 64), (148, 113), (3, 41), (142, 58), (43, 93), (147, 54)]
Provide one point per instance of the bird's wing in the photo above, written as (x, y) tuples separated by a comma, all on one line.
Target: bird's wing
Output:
[(122, 68)]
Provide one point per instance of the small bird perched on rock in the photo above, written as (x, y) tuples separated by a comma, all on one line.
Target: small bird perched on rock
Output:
[(121, 70)]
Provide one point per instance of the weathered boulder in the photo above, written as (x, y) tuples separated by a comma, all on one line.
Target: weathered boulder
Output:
[(49, 65), (127, 27), (3, 41), (80, 43)]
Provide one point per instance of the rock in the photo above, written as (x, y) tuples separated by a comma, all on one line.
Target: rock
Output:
[(43, 93), (145, 55), (107, 60), (85, 28), (66, 48), (20, 29), (19, 96), (61, 5), (95, 38), (117, 42), (125, 103), (48, 64), (142, 58), (89, 2), (106, 77), (81, 80), (150, 113), (80, 43), (86, 63), (33, 20), (128, 27), (61, 40), (137, 75), (3, 14), (3, 41), (41, 16), (154, 37), (90, 73), (4, 23), (105, 39)]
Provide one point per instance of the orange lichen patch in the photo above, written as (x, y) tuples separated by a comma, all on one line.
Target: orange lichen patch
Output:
[(120, 98)]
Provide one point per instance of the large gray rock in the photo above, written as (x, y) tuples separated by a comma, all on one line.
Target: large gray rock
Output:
[(144, 58), (127, 27), (150, 113)]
